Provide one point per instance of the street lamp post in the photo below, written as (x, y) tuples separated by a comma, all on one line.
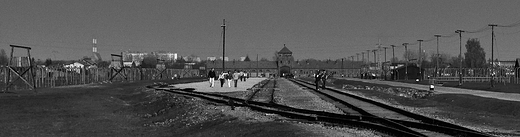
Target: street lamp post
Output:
[(460, 55), (407, 59), (223, 45)]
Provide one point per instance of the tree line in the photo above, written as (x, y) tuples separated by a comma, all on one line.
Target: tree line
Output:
[(474, 57)]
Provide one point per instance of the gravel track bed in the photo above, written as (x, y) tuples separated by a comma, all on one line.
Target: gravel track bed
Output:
[(293, 95), (286, 94)]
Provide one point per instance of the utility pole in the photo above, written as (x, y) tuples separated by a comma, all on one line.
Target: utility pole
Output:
[(407, 59), (492, 54), (257, 70), (385, 52), (375, 57), (223, 46), (393, 53), (419, 60), (363, 57), (378, 62), (460, 55), (368, 57), (438, 57), (342, 64)]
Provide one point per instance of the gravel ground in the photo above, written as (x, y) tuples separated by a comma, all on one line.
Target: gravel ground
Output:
[(293, 95), (496, 116), (287, 93)]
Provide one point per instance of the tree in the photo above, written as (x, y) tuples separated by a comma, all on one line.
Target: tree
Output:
[(3, 57), (475, 57), (149, 62), (48, 62), (101, 64), (180, 60), (443, 60), (455, 61)]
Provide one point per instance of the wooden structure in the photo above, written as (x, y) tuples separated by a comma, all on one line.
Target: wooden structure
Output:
[(117, 67), (29, 80), (160, 69)]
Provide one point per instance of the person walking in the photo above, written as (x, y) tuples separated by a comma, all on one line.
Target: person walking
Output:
[(246, 76), (241, 76), (228, 78), (222, 79), (236, 76), (324, 77), (317, 79), (212, 76)]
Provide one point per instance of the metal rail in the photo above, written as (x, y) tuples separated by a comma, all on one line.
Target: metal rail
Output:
[(262, 88), (312, 115), (428, 123), (291, 112)]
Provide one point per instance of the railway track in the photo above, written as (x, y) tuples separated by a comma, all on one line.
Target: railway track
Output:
[(264, 92), (384, 125), (388, 115)]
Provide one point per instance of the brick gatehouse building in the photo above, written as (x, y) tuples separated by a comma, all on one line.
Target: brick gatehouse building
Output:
[(285, 64)]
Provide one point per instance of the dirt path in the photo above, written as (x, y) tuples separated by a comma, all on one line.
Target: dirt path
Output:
[(447, 90)]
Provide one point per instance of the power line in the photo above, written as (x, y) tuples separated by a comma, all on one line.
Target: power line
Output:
[(517, 23), (479, 30)]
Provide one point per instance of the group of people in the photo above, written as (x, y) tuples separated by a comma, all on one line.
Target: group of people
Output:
[(320, 77), (226, 76)]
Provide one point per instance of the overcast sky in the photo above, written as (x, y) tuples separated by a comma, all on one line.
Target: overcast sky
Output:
[(321, 29)]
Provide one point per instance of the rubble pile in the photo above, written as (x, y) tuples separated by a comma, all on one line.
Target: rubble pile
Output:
[(398, 91)]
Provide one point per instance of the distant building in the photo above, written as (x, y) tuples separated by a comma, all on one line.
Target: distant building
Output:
[(168, 56), (505, 63), (95, 55), (225, 58), (211, 58), (134, 56), (285, 64)]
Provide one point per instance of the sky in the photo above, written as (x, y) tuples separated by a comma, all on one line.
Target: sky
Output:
[(319, 29)]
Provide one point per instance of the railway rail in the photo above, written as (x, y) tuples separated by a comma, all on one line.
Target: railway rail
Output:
[(356, 105), (264, 91), (386, 125)]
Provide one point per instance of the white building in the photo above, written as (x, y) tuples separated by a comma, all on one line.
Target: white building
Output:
[(169, 56), (225, 58)]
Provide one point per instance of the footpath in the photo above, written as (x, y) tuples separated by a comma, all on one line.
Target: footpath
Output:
[(447, 90), (205, 86)]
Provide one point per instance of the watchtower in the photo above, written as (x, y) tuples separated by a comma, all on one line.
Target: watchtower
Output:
[(24, 64)]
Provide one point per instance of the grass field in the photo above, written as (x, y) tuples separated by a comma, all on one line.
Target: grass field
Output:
[(498, 87)]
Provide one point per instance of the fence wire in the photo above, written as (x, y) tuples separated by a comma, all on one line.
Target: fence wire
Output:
[(54, 77)]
